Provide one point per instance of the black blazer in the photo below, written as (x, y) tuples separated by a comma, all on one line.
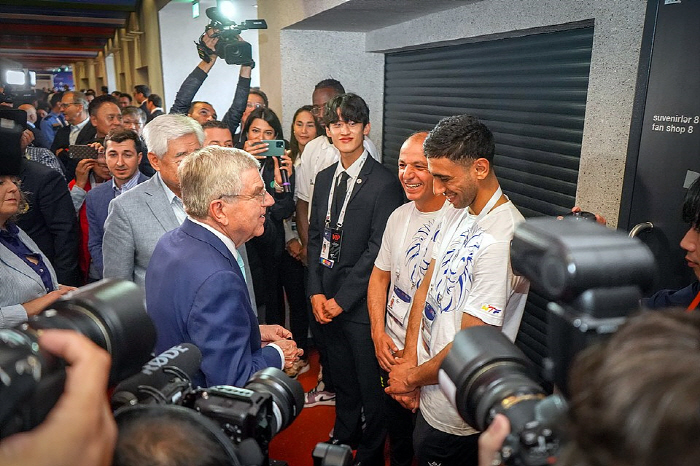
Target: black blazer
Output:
[(62, 141), (151, 116), (377, 194), (51, 221)]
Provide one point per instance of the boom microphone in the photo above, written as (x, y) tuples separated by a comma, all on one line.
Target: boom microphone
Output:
[(174, 366)]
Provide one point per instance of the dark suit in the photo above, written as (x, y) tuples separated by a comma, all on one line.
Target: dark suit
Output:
[(195, 293), (62, 141), (353, 365), (96, 208), (156, 113), (39, 137), (50, 220)]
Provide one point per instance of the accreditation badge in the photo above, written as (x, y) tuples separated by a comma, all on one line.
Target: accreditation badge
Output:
[(330, 246), (399, 306), (429, 313)]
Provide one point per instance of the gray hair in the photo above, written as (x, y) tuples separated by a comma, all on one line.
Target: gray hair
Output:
[(134, 112), (164, 129), (79, 98), (209, 173)]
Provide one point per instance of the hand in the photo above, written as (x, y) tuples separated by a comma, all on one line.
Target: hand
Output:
[(598, 218), (409, 400), (290, 350), (254, 148), (398, 378), (286, 166), (270, 333), (385, 348), (332, 309), (294, 248), (80, 430), (211, 42), (82, 171), (35, 306), (98, 147), (491, 440), (303, 256), (317, 302), (26, 139)]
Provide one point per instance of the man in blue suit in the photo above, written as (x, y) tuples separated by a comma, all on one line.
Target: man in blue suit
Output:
[(195, 288), (123, 154)]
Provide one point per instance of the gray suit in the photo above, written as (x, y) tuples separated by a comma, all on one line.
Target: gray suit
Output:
[(135, 222), (19, 283)]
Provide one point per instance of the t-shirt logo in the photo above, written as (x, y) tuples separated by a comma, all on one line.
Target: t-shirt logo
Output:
[(491, 309), (455, 274), (417, 261)]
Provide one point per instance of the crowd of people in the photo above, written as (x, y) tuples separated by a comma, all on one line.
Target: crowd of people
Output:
[(224, 240)]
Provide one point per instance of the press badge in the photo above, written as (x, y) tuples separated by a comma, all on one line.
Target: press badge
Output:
[(429, 314), (399, 306), (330, 247)]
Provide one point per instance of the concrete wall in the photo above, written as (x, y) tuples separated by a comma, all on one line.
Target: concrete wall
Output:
[(308, 56), (179, 31)]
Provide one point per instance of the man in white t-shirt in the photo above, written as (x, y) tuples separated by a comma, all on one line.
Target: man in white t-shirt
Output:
[(469, 282), (403, 259)]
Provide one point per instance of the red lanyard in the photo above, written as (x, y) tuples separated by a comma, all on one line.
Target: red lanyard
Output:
[(694, 304)]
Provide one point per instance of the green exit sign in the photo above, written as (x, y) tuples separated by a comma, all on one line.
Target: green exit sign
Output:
[(195, 8)]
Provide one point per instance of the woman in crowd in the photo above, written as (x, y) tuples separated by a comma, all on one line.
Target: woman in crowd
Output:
[(305, 128), (27, 279)]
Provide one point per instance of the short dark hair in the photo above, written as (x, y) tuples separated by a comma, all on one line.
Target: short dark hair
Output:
[(636, 396), (691, 205), (215, 124), (330, 83), (460, 138), (55, 99), (143, 89), (265, 114), (134, 111), (258, 92), (198, 102), (123, 134), (156, 100), (99, 101), (90, 92), (127, 95), (352, 108)]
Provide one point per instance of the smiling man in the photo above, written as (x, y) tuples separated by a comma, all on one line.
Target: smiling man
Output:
[(351, 204), (402, 261), (123, 155), (469, 282), (195, 286)]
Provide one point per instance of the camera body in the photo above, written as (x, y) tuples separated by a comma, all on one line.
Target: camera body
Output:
[(229, 47), (593, 277)]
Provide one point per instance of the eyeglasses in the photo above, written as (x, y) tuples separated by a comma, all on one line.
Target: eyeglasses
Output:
[(254, 104), (62, 105), (261, 196)]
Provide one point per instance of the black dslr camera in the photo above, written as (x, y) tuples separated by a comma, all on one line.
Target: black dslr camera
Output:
[(109, 312), (229, 47), (593, 277)]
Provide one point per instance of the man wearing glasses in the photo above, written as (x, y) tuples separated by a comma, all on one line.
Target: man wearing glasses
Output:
[(74, 107), (195, 285)]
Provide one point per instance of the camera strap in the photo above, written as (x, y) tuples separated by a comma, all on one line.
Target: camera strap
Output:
[(694, 303)]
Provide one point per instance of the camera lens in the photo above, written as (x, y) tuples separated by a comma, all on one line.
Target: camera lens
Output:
[(287, 395), (487, 371)]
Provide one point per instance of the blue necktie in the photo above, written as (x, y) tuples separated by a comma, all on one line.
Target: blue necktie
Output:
[(239, 259)]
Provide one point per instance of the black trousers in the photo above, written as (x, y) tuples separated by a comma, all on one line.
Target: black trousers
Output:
[(437, 448), (292, 281), (399, 422), (319, 337), (356, 376)]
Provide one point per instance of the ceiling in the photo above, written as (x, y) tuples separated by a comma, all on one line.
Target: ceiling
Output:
[(368, 15), (47, 34)]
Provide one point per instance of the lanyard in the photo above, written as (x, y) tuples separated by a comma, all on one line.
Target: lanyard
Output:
[(445, 241), (348, 193)]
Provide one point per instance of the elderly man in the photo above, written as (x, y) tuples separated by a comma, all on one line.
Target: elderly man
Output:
[(195, 287), (74, 107)]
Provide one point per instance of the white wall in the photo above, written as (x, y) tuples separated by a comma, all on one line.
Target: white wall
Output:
[(179, 31)]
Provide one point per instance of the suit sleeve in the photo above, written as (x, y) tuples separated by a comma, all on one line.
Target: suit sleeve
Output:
[(233, 115), (354, 287), (118, 246), (56, 206), (224, 328), (187, 91), (95, 232), (314, 243)]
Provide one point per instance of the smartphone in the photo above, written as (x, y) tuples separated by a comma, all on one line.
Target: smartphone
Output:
[(80, 152), (275, 148)]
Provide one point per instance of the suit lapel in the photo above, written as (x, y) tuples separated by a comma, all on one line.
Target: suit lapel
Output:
[(202, 234), (8, 258), (157, 201), (361, 180)]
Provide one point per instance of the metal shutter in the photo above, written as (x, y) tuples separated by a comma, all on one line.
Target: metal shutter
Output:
[(531, 92)]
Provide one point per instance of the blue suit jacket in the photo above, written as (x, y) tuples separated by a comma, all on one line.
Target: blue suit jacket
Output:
[(96, 208), (195, 293)]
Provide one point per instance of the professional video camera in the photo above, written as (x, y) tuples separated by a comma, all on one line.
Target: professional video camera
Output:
[(242, 421), (110, 312), (595, 278), (229, 47)]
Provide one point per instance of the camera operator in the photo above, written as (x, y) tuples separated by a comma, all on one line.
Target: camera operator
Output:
[(80, 429), (203, 111), (635, 398)]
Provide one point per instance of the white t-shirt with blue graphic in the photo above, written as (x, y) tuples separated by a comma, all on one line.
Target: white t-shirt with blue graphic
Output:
[(472, 274), (406, 252)]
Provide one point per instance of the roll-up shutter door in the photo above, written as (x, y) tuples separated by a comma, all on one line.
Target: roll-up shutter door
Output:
[(531, 92)]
